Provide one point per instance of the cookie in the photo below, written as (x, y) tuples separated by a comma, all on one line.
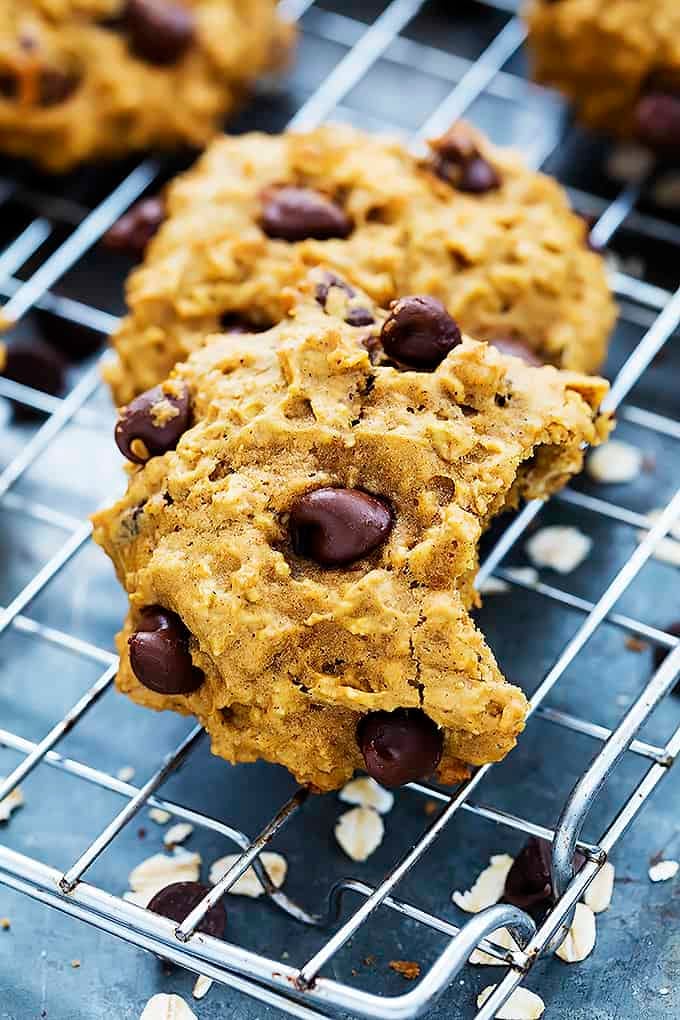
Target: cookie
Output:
[(300, 559), (82, 79), (469, 225), (618, 62)]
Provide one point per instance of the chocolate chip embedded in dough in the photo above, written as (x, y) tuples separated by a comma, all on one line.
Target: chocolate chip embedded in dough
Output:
[(159, 653), (295, 214), (399, 747), (336, 527), (419, 333), (160, 32), (153, 423)]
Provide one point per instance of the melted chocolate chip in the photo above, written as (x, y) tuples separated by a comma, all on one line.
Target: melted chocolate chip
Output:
[(528, 884), (294, 214), (336, 527), (657, 121), (157, 419), (478, 176), (133, 231), (159, 653), (399, 747), (35, 364), (419, 333), (57, 86), (159, 31), (355, 316), (517, 349), (177, 901), (458, 161), (660, 652)]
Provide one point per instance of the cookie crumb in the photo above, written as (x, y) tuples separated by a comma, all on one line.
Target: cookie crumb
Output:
[(5, 924), (430, 807), (369, 960), (75, 964), (635, 644), (408, 969)]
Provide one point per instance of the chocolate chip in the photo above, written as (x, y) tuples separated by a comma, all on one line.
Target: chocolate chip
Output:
[(177, 901), (657, 121), (457, 161), (235, 322), (336, 527), (135, 228), (517, 349), (399, 747), (478, 176), (57, 86), (159, 653), (359, 317), (157, 419), (419, 333), (75, 340), (294, 214), (355, 316), (660, 652), (528, 884), (159, 31), (35, 364)]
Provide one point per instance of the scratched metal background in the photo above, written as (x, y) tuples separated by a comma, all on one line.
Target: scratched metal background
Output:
[(638, 948)]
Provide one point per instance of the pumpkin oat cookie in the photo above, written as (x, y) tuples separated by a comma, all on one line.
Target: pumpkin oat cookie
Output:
[(299, 535)]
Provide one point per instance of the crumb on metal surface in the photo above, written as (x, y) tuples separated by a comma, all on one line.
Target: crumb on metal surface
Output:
[(408, 969)]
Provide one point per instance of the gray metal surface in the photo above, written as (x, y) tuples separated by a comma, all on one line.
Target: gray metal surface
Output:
[(65, 734)]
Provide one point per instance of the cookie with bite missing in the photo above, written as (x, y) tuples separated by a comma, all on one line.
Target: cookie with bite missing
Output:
[(470, 225), (299, 535), (84, 79)]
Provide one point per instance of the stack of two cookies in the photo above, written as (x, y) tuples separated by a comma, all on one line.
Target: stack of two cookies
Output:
[(316, 445)]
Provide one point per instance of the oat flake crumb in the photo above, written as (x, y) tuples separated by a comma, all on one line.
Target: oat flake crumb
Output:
[(493, 586), (249, 884), (522, 1004), (167, 1007), (202, 986), (560, 547), (156, 872), (408, 969), (360, 832), (176, 834), (580, 940), (598, 895), (11, 802), (615, 462), (159, 816), (75, 964), (501, 938), (126, 774), (367, 793), (663, 871), (488, 888)]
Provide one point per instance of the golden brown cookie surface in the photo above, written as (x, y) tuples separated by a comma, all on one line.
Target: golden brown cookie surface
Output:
[(80, 79), (619, 63), (257, 212), (308, 607)]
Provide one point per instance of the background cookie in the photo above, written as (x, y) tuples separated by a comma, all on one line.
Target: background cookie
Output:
[(471, 225), (87, 78), (311, 539), (619, 63)]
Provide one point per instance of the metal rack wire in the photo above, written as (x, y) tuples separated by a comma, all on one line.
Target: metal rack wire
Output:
[(304, 991)]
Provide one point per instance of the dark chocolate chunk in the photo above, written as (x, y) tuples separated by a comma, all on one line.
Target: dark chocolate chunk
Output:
[(159, 653), (401, 746), (458, 161), (355, 316), (135, 228), (528, 884), (657, 121), (177, 901), (35, 364), (336, 527), (149, 419), (160, 31), (419, 333), (294, 214), (478, 176)]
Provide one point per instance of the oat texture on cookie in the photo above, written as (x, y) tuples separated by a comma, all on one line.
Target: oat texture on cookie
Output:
[(470, 225), (619, 63), (82, 79), (300, 560)]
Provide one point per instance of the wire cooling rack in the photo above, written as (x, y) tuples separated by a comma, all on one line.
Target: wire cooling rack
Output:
[(48, 239)]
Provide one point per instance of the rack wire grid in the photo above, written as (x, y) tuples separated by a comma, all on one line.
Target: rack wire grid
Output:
[(44, 272)]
